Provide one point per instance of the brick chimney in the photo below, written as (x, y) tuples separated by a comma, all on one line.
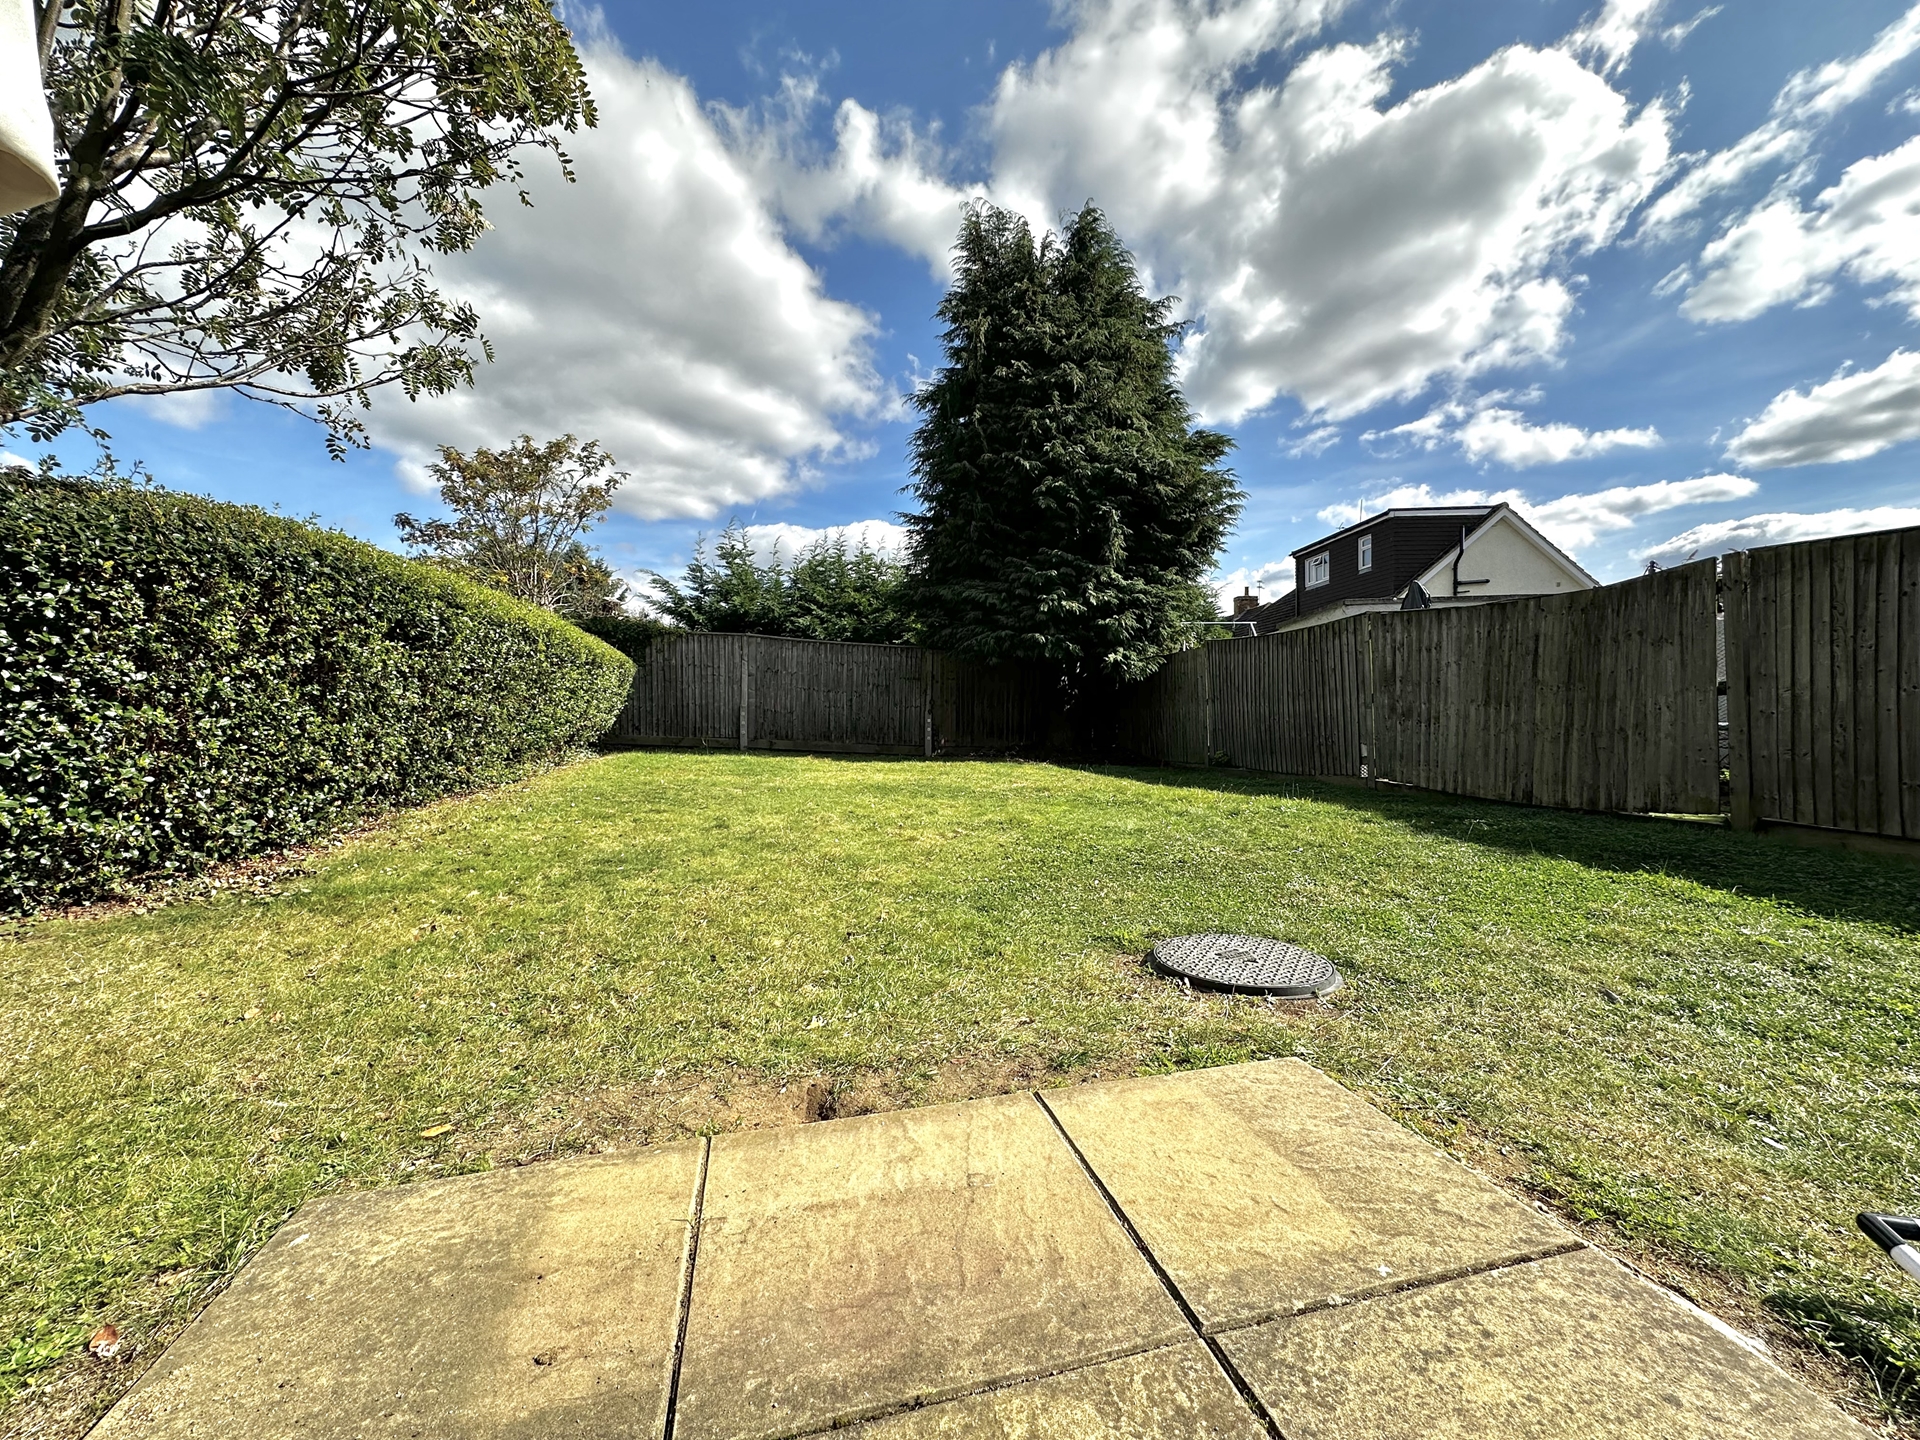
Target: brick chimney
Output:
[(1244, 602)]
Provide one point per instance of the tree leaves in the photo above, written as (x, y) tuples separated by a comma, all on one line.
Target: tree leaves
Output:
[(247, 192), (518, 515), (1069, 507), (829, 592)]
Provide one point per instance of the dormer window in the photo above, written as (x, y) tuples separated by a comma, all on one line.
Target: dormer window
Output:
[(1366, 552), (1319, 569)]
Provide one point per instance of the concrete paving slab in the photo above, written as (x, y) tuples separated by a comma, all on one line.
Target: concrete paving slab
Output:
[(1178, 1393), (525, 1304), (1568, 1348), (1263, 1189), (855, 1266)]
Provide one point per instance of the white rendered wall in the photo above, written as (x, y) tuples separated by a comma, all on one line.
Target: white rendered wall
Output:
[(1508, 558)]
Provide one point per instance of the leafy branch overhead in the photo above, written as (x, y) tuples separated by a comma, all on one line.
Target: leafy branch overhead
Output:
[(518, 517), (249, 192)]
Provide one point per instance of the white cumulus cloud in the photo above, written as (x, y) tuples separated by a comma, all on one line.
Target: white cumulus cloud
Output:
[(1849, 417), (1675, 35), (1485, 428), (784, 541), (1573, 522), (1343, 513), (185, 409), (1269, 581), (1805, 104), (657, 307), (1317, 441), (881, 177), (1328, 245), (1576, 521), (1357, 253), (1610, 37), (1867, 226), (1782, 528)]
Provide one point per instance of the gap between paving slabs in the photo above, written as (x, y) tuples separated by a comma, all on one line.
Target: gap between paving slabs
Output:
[(908, 1258), (1457, 1235), (1193, 1254), (857, 1421)]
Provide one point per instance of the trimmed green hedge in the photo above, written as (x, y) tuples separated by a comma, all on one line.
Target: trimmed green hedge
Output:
[(183, 680)]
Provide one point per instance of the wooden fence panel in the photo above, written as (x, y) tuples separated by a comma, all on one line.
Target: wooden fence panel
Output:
[(1290, 703), (1603, 700), (814, 695), (1908, 644), (687, 691), (781, 694), (1823, 683), (1164, 720), (990, 708)]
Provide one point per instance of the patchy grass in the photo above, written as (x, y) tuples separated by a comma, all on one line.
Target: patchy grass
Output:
[(1703, 1045)]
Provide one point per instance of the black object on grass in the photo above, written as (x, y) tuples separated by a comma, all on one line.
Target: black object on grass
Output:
[(1249, 964), (1898, 1235)]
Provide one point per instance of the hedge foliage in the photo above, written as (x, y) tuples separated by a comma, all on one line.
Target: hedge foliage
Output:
[(183, 680), (631, 635)]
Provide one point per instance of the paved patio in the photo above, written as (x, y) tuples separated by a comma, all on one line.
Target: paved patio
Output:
[(1248, 1252)]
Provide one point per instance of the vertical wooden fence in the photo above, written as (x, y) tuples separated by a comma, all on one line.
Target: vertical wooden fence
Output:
[(1823, 684), (1601, 700), (991, 709), (759, 692), (1293, 703), (1605, 700), (1609, 699), (1168, 718)]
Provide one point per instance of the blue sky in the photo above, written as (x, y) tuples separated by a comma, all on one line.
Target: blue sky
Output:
[(1650, 271)]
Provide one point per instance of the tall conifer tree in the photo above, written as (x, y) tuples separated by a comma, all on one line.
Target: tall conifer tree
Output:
[(1069, 507)]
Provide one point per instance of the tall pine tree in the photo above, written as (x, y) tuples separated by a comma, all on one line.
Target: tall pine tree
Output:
[(1069, 507)]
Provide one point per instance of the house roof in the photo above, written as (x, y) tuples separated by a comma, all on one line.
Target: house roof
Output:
[(1270, 616), (1470, 515), (1520, 524), (1415, 544)]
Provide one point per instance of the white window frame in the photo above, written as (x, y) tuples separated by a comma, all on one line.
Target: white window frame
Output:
[(1366, 553), (1322, 565)]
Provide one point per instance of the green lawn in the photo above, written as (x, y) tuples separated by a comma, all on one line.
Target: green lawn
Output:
[(1617, 1015)]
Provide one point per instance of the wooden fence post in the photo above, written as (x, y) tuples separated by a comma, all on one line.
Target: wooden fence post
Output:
[(1733, 588), (1207, 683), (1363, 701), (746, 687)]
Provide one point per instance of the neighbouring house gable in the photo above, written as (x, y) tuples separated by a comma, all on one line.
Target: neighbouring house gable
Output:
[(1404, 544), (1512, 558), (1500, 547)]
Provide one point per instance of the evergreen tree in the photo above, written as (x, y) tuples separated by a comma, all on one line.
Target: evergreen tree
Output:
[(1069, 507), (829, 592)]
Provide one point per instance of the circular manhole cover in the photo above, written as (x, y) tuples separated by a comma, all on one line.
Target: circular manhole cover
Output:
[(1248, 962)]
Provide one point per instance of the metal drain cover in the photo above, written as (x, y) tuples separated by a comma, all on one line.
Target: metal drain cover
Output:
[(1248, 962)]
